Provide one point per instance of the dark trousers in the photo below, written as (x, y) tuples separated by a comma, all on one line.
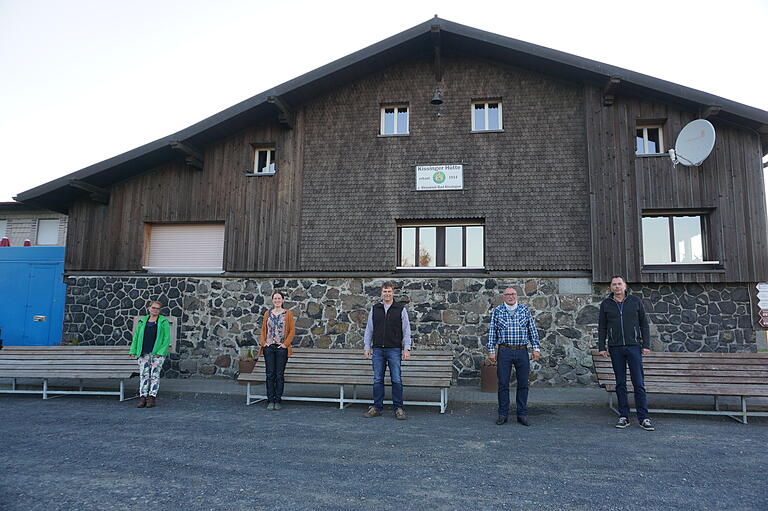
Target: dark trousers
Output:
[(381, 358), (621, 357), (505, 359), (275, 359)]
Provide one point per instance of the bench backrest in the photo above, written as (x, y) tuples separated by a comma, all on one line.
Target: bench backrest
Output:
[(66, 362), (426, 368), (669, 368)]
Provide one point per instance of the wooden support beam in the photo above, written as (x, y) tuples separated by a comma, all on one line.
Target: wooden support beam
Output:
[(285, 114), (96, 193), (710, 111), (437, 65), (609, 91), (194, 158)]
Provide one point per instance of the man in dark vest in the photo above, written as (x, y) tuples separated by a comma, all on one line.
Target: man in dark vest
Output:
[(387, 341)]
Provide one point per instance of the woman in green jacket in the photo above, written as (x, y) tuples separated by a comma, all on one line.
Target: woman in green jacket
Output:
[(151, 341)]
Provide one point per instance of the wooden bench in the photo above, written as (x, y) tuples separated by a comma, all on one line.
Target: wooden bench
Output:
[(69, 362), (744, 375), (425, 368)]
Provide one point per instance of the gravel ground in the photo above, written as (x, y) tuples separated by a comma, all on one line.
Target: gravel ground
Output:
[(202, 451)]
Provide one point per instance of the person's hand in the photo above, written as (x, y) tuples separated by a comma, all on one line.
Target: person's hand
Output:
[(406, 354), (132, 356), (492, 357), (603, 353), (282, 345), (536, 356), (645, 351), (368, 354)]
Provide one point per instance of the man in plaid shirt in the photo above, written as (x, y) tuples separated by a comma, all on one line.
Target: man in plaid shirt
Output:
[(512, 328)]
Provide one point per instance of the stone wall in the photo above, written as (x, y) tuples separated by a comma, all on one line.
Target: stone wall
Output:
[(220, 317)]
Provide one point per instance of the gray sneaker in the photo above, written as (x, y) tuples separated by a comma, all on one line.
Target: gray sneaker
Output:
[(372, 412), (646, 425), (400, 414), (277, 406), (271, 406), (623, 423)]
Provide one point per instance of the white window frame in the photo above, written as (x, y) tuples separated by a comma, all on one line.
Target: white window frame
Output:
[(669, 217), (485, 104), (3, 228), (56, 235), (645, 128), (407, 122), (268, 149), (438, 224)]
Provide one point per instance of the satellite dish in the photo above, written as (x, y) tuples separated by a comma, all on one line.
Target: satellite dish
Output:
[(694, 143)]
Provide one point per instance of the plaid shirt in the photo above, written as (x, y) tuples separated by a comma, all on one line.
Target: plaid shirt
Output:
[(515, 328)]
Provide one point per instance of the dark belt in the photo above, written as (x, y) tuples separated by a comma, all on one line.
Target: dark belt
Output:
[(514, 346)]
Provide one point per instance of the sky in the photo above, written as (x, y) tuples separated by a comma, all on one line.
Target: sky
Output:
[(84, 80)]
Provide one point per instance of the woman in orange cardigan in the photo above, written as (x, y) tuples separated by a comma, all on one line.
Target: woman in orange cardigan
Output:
[(277, 332)]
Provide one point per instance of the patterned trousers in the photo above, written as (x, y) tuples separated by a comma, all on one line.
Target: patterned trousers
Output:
[(149, 374)]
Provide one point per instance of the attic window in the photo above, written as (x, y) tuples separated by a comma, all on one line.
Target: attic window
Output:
[(264, 160), (394, 120), (486, 116), (649, 139)]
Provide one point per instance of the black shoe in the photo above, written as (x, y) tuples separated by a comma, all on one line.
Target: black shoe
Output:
[(501, 420), (646, 425), (623, 423), (523, 421)]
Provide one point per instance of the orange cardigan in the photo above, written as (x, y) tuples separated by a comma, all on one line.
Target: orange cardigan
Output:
[(290, 330)]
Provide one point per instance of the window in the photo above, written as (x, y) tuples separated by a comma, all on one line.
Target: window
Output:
[(394, 120), (449, 245), (675, 239), (264, 160), (486, 116), (184, 248), (649, 140), (48, 231), (3, 228)]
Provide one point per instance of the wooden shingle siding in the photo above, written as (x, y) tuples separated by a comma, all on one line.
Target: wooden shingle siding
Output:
[(729, 182), (528, 182)]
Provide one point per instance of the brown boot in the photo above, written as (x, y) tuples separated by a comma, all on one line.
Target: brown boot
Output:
[(142, 402), (151, 402)]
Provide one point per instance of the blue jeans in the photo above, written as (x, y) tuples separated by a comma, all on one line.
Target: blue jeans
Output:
[(381, 358), (505, 359), (621, 356), (275, 359)]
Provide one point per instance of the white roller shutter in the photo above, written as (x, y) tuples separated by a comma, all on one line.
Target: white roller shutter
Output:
[(48, 231), (185, 248)]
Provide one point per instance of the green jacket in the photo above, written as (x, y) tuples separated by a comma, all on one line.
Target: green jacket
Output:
[(162, 342)]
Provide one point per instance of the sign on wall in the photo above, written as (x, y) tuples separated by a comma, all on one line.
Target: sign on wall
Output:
[(762, 297), (439, 177)]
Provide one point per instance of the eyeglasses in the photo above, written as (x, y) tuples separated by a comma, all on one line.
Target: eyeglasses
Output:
[(510, 294), (154, 308)]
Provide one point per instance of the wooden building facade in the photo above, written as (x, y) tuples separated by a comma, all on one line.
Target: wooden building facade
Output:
[(552, 178)]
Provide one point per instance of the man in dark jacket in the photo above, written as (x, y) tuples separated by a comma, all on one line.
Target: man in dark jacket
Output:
[(387, 341), (623, 323)]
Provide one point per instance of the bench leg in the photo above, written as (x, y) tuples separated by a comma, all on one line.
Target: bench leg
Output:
[(744, 410), (81, 385), (13, 384), (45, 388), (443, 399), (354, 391), (717, 404), (248, 394), (122, 389), (341, 397)]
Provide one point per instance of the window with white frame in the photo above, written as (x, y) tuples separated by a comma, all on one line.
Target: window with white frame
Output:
[(675, 238), (486, 116), (441, 245), (394, 120), (264, 160), (184, 248), (649, 140), (3, 228), (48, 231)]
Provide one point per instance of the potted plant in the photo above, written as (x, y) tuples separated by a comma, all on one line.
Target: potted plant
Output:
[(247, 361)]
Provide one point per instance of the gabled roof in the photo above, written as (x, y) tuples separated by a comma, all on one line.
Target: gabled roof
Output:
[(419, 40)]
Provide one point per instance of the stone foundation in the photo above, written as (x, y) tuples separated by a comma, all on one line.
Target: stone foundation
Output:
[(220, 317)]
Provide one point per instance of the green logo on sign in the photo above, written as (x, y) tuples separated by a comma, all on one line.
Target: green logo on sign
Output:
[(439, 177)]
